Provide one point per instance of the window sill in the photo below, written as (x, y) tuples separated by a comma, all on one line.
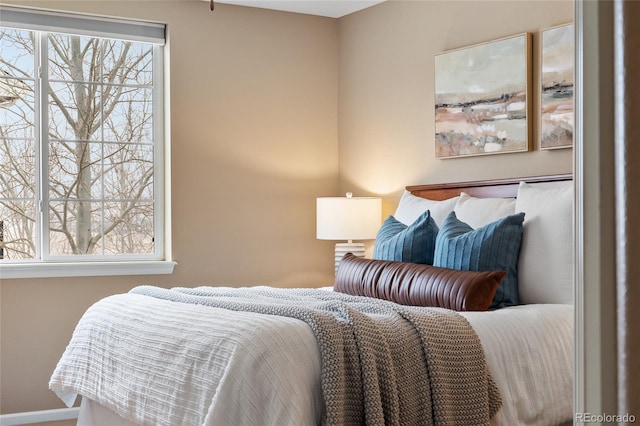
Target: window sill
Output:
[(85, 269)]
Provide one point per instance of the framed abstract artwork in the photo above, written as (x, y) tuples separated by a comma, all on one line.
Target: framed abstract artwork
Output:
[(483, 98), (556, 83)]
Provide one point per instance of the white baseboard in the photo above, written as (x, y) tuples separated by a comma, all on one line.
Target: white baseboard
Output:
[(39, 416)]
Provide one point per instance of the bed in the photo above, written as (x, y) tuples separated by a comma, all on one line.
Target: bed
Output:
[(264, 356)]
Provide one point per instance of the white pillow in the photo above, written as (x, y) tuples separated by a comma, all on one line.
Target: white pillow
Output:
[(411, 207), (545, 268), (478, 212)]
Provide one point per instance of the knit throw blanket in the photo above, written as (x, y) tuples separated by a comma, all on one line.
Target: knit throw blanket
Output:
[(382, 363)]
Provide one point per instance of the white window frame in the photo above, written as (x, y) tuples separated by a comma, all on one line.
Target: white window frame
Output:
[(96, 265)]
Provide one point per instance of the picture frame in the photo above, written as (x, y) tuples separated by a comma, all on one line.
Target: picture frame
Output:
[(556, 87), (483, 98)]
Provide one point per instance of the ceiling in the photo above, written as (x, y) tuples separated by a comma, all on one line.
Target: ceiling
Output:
[(329, 8)]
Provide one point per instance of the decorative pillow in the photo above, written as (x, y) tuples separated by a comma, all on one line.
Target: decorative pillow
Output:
[(411, 207), (546, 258), (478, 212), (417, 285), (495, 246), (414, 243)]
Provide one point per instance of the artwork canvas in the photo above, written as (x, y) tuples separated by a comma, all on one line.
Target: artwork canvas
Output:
[(482, 102), (556, 81)]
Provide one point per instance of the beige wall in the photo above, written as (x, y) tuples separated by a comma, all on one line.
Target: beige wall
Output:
[(259, 100), (254, 142), (386, 117)]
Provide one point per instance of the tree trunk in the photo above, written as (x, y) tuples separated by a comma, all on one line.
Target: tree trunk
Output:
[(82, 152)]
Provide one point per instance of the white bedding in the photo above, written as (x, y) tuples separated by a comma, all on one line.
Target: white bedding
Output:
[(238, 360), (529, 350), (264, 370)]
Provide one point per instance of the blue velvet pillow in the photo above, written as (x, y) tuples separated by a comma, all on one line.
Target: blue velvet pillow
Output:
[(414, 243), (495, 246)]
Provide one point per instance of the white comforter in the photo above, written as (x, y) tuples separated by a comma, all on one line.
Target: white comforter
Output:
[(226, 368), (529, 350)]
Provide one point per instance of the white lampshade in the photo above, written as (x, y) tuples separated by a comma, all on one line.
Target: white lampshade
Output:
[(344, 218), (348, 218)]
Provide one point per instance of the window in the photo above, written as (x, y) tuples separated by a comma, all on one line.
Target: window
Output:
[(81, 143)]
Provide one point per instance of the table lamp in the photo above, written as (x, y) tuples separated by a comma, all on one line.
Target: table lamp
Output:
[(348, 218)]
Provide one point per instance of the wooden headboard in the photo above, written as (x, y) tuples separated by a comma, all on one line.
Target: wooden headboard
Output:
[(498, 188)]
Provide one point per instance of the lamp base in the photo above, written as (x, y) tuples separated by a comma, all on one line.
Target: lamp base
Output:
[(343, 248)]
